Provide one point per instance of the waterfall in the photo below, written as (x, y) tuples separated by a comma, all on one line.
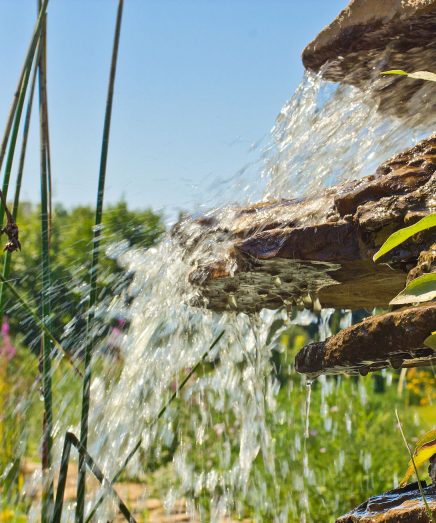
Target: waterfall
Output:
[(222, 440)]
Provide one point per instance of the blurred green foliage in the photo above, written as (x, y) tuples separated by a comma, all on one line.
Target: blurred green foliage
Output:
[(354, 449), (70, 248), (21, 409)]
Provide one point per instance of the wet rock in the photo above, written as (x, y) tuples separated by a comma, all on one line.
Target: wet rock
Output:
[(402, 505), (426, 264), (432, 469), (370, 36), (321, 246), (394, 339)]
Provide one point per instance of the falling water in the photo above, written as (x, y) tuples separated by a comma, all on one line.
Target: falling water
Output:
[(328, 133), (222, 440), (308, 398)]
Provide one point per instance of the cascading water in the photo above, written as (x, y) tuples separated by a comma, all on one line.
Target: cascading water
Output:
[(234, 443)]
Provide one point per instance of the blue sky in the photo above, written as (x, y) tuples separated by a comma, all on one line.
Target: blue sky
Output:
[(199, 81)]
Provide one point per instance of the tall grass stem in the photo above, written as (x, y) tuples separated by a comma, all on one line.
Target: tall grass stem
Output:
[(81, 485), (71, 440), (409, 450), (8, 254), (27, 64), (46, 345)]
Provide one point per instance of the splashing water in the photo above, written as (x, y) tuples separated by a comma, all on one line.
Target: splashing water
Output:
[(328, 133), (222, 442)]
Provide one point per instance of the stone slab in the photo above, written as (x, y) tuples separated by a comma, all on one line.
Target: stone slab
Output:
[(403, 505), (277, 253), (395, 340), (370, 36)]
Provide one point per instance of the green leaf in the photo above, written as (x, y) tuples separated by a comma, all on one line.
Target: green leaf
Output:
[(395, 71), (423, 75), (420, 289), (426, 438), (417, 75), (399, 237), (421, 455), (431, 341)]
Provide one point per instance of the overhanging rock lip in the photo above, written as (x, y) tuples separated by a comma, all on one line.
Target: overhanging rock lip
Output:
[(348, 32), (394, 339), (371, 36), (345, 228)]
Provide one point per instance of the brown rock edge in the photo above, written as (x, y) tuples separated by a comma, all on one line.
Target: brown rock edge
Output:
[(274, 253), (403, 505), (370, 36), (395, 339)]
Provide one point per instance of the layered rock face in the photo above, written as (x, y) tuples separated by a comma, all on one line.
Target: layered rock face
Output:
[(370, 36), (367, 37), (280, 253)]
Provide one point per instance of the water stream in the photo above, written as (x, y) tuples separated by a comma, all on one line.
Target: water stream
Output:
[(236, 441)]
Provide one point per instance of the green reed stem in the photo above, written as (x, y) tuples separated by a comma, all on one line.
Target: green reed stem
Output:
[(27, 65), (8, 254), (46, 345), (9, 162), (13, 142), (427, 508), (81, 485), (71, 440), (153, 422), (13, 123)]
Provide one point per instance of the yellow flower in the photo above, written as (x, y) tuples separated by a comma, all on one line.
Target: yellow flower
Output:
[(7, 515)]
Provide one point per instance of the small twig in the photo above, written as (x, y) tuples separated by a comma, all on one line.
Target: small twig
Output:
[(427, 508), (11, 229)]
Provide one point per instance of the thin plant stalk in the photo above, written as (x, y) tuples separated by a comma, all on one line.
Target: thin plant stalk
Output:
[(409, 450), (8, 254), (26, 66), (71, 440), (162, 411), (10, 159), (46, 345), (14, 117), (13, 143), (49, 179), (81, 485)]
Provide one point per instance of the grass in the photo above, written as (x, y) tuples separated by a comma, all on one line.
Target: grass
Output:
[(46, 342), (421, 490), (10, 136), (8, 254), (338, 457), (81, 484), (37, 49), (26, 66)]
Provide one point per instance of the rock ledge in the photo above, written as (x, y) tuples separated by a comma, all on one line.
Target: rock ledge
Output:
[(392, 340)]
